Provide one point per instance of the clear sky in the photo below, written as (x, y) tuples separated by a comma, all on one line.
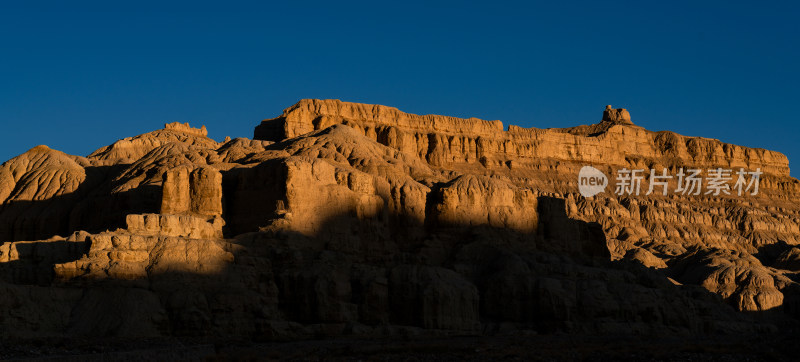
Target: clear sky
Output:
[(80, 75)]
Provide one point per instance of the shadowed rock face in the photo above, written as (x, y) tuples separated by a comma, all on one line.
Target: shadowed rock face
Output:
[(352, 219)]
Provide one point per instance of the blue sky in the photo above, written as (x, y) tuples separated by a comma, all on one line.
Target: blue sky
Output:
[(81, 75)]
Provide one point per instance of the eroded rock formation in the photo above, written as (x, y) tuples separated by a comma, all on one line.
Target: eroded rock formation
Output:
[(353, 219)]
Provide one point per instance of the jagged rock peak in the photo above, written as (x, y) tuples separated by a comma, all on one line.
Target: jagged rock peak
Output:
[(616, 115), (186, 128)]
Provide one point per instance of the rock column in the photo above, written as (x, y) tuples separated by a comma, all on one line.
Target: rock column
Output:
[(197, 191)]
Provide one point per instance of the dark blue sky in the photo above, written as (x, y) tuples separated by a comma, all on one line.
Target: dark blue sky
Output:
[(77, 77)]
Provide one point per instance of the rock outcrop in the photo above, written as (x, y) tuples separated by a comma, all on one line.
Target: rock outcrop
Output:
[(455, 143), (617, 115), (362, 220), (197, 191)]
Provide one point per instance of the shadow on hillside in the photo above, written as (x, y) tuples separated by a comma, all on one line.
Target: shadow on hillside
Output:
[(251, 196), (390, 275), (34, 261), (768, 254), (92, 207)]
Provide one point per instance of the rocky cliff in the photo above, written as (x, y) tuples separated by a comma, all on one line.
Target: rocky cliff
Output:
[(344, 219)]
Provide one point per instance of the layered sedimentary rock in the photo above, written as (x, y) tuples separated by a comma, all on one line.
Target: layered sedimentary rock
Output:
[(548, 161), (353, 219), (452, 142)]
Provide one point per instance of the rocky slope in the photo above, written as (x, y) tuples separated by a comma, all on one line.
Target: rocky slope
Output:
[(343, 219)]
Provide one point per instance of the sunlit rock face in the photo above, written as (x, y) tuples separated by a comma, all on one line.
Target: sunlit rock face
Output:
[(352, 219), (616, 115)]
